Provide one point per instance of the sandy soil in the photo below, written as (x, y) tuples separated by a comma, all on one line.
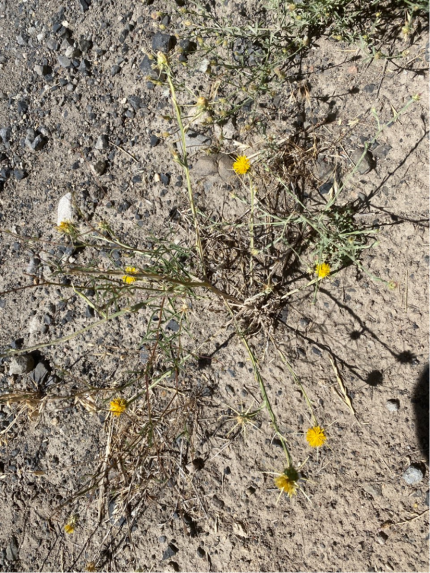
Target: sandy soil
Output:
[(359, 513)]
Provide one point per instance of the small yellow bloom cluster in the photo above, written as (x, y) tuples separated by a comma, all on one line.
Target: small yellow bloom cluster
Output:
[(131, 271), (316, 437), (65, 227), (287, 481), (118, 406), (241, 165), (71, 524), (322, 270)]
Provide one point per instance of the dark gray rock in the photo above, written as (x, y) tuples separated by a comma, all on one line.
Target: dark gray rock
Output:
[(364, 164), (163, 42), (135, 102), (381, 151), (413, 475), (5, 133), (39, 143), (170, 551), (85, 45), (173, 325), (100, 167), (165, 178), (84, 66), (84, 5), (22, 106), (154, 140), (149, 67), (19, 174), (22, 40), (187, 47), (21, 364), (115, 69), (53, 44)]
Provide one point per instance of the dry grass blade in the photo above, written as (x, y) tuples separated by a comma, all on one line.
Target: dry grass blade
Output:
[(342, 391)]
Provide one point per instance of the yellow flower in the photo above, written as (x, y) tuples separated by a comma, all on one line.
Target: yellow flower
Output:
[(316, 437), (69, 528), (71, 524), (90, 566), (322, 270), (202, 102), (287, 481), (241, 165), (118, 406), (65, 227), (130, 271)]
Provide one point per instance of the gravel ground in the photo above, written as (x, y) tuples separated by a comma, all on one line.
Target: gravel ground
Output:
[(79, 116)]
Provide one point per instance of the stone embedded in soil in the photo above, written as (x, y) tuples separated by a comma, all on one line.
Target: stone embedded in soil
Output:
[(115, 69), (84, 5), (21, 364), (100, 167), (194, 142), (173, 325), (40, 373), (393, 405), (22, 106), (205, 167), (154, 140), (225, 168), (65, 211), (5, 133), (12, 550), (64, 61), (42, 70), (19, 174), (323, 169), (38, 143), (366, 163), (170, 551), (381, 151), (163, 42), (135, 102), (102, 142), (413, 475)]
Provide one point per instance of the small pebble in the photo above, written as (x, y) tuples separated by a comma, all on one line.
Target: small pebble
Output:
[(170, 551), (393, 405), (413, 475)]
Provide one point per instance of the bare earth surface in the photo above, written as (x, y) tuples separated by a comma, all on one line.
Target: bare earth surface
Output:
[(359, 513)]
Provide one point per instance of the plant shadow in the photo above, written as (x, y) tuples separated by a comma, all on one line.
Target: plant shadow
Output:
[(420, 401)]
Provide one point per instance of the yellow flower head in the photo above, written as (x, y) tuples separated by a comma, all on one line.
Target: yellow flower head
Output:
[(287, 481), (241, 165), (65, 227), (118, 406), (316, 437), (71, 524), (131, 271), (322, 270)]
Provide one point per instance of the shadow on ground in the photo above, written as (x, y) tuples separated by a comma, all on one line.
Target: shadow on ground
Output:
[(420, 401)]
